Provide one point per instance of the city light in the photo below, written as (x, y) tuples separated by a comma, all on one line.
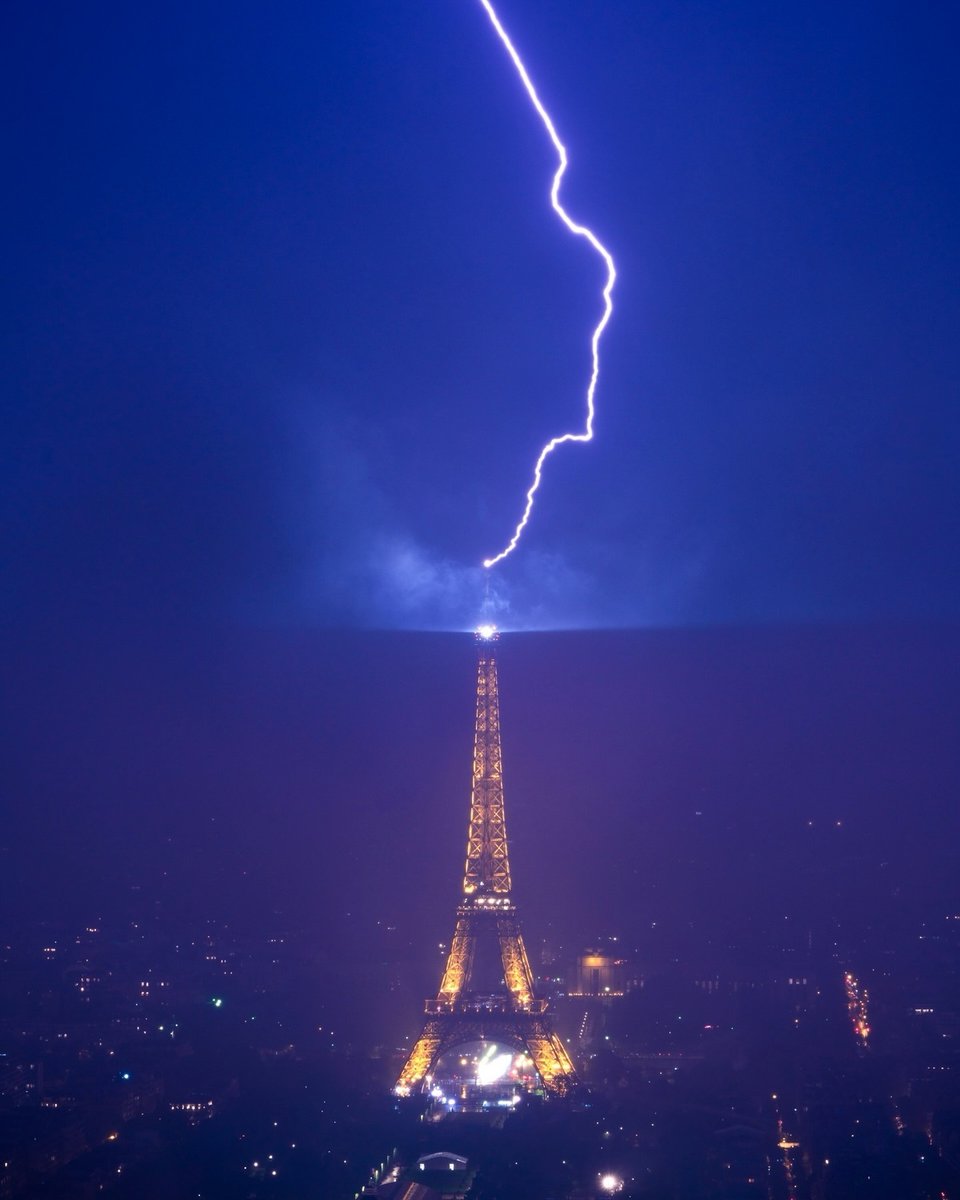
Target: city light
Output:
[(487, 632), (857, 1000), (610, 1183), (493, 1066)]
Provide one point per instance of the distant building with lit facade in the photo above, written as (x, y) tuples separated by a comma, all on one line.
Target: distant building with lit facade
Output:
[(600, 973)]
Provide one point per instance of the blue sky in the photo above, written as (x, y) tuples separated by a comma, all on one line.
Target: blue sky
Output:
[(289, 316)]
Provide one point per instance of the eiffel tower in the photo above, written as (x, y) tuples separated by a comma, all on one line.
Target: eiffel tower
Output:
[(464, 1009)]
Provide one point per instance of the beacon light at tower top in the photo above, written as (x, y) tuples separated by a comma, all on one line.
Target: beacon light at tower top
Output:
[(580, 231), (487, 633)]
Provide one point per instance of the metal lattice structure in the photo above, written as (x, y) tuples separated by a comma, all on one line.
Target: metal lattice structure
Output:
[(512, 1015)]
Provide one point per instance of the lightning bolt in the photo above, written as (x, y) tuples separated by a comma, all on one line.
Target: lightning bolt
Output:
[(580, 231)]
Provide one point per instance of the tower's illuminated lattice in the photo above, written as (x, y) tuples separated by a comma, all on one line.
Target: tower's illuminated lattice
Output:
[(511, 1015)]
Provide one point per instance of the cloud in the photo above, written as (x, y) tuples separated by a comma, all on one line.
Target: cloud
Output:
[(354, 561)]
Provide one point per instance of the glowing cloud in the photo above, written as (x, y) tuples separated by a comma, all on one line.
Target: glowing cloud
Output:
[(580, 231)]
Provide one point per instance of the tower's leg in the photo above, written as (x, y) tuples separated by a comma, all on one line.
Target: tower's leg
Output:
[(516, 966), (459, 960), (424, 1054), (550, 1058)]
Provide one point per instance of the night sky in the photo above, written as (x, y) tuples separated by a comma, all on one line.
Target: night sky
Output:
[(287, 321)]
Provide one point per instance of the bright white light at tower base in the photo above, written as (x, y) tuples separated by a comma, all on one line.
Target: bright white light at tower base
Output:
[(610, 1183), (493, 1067)]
